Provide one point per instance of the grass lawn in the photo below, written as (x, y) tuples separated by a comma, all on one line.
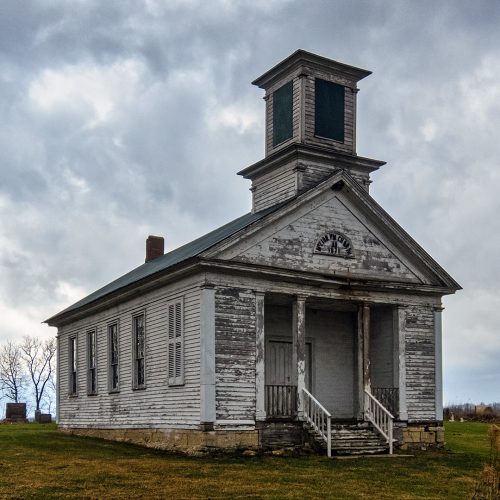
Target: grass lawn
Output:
[(38, 462)]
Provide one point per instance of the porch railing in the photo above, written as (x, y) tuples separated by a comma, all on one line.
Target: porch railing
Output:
[(319, 418), (281, 401), (380, 417), (388, 397)]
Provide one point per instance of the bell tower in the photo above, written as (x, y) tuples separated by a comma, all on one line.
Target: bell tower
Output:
[(310, 127)]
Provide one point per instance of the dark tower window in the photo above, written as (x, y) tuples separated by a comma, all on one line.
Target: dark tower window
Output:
[(282, 113), (329, 110)]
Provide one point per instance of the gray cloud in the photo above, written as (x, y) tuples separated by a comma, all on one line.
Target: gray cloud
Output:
[(125, 118)]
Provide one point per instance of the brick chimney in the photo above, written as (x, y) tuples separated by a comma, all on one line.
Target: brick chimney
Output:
[(155, 247)]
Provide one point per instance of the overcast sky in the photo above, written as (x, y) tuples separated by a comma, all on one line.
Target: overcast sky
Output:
[(122, 118)]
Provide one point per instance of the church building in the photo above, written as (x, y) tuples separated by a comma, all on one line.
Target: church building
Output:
[(312, 321)]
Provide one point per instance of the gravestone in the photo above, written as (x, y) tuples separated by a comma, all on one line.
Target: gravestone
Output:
[(45, 418), (42, 418), (15, 412)]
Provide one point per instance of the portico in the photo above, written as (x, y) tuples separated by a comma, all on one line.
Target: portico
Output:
[(334, 349)]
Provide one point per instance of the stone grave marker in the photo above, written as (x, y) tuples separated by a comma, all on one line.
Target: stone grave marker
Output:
[(15, 412)]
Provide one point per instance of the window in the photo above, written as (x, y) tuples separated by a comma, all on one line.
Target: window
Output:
[(175, 342), (72, 366), (282, 113), (114, 379), (91, 363), (329, 110), (139, 344)]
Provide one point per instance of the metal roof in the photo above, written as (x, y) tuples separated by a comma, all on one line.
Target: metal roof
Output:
[(172, 258)]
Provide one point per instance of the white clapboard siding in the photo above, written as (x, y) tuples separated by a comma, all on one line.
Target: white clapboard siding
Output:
[(420, 362), (274, 187), (158, 405), (313, 174), (235, 354)]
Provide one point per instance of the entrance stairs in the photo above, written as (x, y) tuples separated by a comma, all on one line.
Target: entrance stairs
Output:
[(350, 439)]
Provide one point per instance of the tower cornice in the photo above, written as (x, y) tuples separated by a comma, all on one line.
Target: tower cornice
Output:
[(301, 59)]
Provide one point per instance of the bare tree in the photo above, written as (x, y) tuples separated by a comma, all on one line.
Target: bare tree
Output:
[(12, 374), (39, 359)]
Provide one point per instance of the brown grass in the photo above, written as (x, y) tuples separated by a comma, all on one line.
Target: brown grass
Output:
[(488, 486), (39, 462)]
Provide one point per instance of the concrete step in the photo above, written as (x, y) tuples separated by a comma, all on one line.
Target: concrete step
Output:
[(352, 439), (348, 435), (361, 451)]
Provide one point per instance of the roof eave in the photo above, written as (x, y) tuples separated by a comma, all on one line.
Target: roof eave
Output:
[(311, 153), (147, 283)]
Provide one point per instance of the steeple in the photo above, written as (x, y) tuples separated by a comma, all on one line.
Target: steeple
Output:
[(310, 127)]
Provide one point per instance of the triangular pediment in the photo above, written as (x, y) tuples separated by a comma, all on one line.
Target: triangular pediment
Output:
[(335, 229)]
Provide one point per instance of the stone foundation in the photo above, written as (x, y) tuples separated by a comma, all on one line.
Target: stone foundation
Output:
[(192, 442), (266, 436), (280, 434), (422, 437)]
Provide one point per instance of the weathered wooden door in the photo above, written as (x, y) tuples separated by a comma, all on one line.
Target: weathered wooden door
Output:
[(281, 389), (279, 365)]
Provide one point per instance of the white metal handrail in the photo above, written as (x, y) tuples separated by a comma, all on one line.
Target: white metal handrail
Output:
[(381, 418), (319, 418)]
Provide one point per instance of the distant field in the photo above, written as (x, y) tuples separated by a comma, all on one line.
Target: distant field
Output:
[(38, 462)]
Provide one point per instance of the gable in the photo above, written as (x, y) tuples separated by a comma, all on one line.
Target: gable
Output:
[(291, 242)]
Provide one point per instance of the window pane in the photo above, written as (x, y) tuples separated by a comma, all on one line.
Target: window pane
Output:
[(113, 355), (92, 381), (139, 342), (73, 361), (139, 336), (113, 337), (140, 372), (114, 378), (73, 353), (91, 344)]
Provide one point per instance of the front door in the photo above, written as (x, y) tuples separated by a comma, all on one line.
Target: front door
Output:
[(279, 369), (281, 389)]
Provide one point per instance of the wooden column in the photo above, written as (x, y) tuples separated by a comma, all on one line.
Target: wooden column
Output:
[(400, 360), (438, 353), (207, 361), (299, 349), (366, 348), (364, 382), (260, 409), (302, 106), (268, 122), (359, 366), (354, 112)]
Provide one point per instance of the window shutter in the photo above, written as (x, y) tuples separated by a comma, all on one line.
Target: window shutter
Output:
[(329, 110), (176, 343), (283, 113)]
